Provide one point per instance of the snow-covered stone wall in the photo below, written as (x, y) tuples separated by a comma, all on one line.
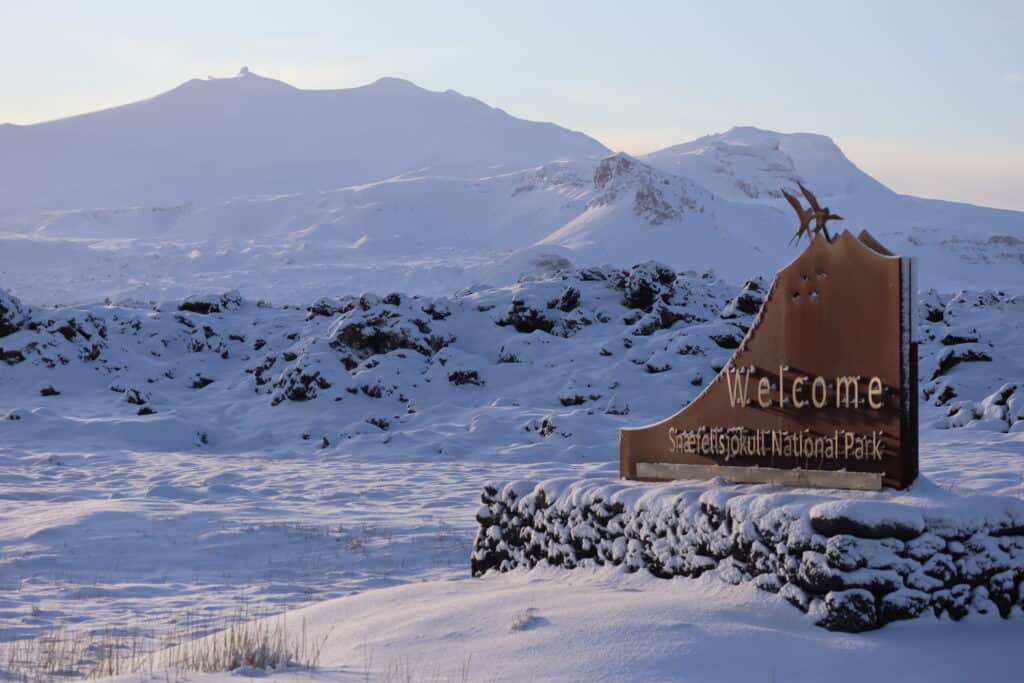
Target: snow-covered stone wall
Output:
[(852, 563)]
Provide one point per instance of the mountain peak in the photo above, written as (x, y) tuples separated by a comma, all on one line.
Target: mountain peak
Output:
[(248, 79), (746, 163), (752, 137), (244, 81), (748, 132), (753, 133), (393, 82)]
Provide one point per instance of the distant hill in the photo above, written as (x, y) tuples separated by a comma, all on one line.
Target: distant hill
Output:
[(246, 135), (248, 182), (750, 164)]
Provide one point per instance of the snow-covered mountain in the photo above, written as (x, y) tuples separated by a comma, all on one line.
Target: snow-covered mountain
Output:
[(635, 210), (603, 206), (288, 194), (222, 137), (439, 234), (398, 215), (972, 244), (747, 164), (750, 164)]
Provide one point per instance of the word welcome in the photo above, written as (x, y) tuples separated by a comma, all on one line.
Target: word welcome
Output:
[(843, 392), (738, 442)]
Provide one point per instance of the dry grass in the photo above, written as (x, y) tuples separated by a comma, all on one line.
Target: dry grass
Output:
[(52, 655), (265, 644)]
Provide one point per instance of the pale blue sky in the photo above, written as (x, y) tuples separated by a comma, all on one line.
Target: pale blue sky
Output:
[(926, 96)]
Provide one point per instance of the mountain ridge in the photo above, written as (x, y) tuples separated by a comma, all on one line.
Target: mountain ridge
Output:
[(455, 192), (787, 157), (245, 135)]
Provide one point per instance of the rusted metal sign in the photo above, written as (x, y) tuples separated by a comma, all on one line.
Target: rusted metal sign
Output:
[(822, 392)]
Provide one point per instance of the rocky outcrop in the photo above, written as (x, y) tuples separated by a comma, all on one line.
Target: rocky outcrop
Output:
[(656, 197), (13, 315), (212, 303), (1002, 410), (373, 326), (748, 301)]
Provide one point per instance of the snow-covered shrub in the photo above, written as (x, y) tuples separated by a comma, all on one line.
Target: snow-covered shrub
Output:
[(298, 384), (616, 406), (457, 367), (525, 348), (575, 393)]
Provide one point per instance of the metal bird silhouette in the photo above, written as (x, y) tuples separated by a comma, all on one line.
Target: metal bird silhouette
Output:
[(821, 215), (803, 214)]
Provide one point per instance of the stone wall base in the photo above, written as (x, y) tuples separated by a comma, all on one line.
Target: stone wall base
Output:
[(854, 563)]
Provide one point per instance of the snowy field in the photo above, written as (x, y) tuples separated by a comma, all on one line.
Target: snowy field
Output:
[(148, 540), (297, 455)]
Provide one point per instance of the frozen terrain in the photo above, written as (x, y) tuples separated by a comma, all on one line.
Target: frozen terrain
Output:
[(554, 625), (171, 462), (261, 348)]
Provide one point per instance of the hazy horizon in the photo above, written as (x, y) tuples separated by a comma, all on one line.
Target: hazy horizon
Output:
[(924, 97)]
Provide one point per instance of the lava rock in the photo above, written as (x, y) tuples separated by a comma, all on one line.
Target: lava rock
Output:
[(13, 315), (207, 304), (904, 603), (850, 611)]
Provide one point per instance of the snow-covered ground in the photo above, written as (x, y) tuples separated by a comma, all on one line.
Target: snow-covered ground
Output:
[(552, 625), (299, 454), (301, 530)]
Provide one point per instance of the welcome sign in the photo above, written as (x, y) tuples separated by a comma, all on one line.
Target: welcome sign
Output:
[(822, 392)]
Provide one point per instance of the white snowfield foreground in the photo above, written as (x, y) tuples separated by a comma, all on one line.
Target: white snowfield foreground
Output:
[(585, 625)]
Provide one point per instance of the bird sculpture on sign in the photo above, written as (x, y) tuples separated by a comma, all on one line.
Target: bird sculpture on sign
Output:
[(814, 211)]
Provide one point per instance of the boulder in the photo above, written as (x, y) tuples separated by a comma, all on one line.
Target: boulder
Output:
[(13, 315), (850, 611)]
